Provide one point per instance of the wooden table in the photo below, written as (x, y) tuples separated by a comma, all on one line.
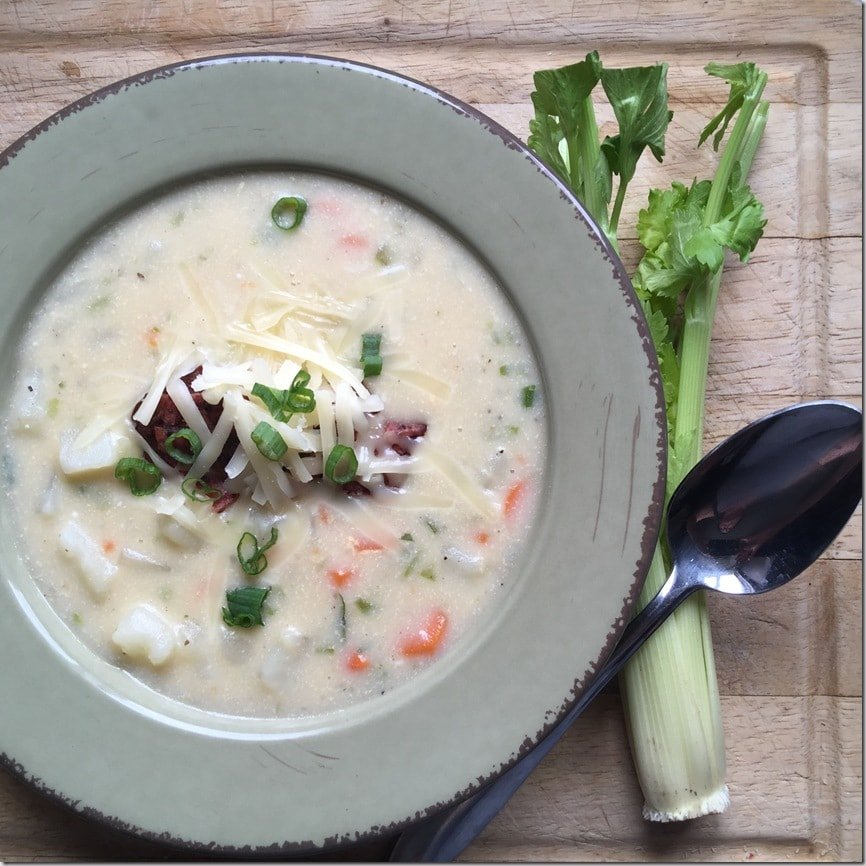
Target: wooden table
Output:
[(788, 328)]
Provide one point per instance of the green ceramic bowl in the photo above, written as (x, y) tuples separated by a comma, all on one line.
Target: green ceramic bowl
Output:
[(90, 734)]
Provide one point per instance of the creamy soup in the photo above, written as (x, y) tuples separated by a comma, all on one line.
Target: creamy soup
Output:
[(274, 445)]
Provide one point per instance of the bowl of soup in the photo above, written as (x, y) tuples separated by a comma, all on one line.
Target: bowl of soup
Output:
[(332, 453)]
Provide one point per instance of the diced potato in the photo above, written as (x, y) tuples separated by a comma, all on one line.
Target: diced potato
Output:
[(102, 453), (172, 530), (93, 564), (144, 634)]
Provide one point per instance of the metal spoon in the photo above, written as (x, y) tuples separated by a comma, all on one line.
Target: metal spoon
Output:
[(753, 514)]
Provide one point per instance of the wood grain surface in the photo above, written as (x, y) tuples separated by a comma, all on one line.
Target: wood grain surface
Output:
[(788, 328)]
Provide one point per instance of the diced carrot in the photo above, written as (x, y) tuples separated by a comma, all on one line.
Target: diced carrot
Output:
[(366, 544), (513, 498), (482, 537), (330, 206), (109, 546), (324, 514), (357, 661), (354, 242), (427, 639), (340, 577)]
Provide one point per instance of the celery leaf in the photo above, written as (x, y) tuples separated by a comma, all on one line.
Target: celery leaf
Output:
[(743, 78), (565, 135), (639, 98)]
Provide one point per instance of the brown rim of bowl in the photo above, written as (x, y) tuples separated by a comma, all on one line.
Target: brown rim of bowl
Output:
[(652, 522)]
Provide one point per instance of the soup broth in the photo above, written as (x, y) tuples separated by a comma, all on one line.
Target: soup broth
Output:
[(275, 444)]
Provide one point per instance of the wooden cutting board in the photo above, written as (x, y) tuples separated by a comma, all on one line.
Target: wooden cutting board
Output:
[(788, 328)]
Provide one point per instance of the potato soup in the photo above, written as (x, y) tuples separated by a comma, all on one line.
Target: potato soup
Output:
[(274, 445)]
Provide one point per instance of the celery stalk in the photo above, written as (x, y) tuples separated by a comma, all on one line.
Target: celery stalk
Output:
[(669, 690)]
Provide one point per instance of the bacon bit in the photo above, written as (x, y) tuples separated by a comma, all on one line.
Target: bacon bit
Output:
[(324, 514), (362, 545), (355, 488), (340, 577), (225, 500), (109, 546), (482, 537), (354, 242), (513, 498), (427, 640), (410, 429), (167, 419)]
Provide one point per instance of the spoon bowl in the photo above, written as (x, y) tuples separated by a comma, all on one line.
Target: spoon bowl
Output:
[(754, 513), (765, 504)]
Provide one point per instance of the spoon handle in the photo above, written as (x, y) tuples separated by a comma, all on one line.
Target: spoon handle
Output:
[(443, 837)]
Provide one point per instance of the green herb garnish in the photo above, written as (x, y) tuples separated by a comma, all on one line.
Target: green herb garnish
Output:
[(341, 465), (341, 618), (384, 256), (268, 441), (187, 454), (288, 213), (199, 491), (283, 403), (141, 475), (244, 606), (363, 605), (251, 555), (371, 359), (527, 396)]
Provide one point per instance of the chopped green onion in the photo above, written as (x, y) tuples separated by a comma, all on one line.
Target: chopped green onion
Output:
[(432, 525), (363, 605), (341, 465), (384, 256), (301, 400), (281, 404), (274, 399), (371, 360), (252, 556), (341, 618), (199, 491), (288, 212), (244, 606), (141, 475), (268, 441), (410, 565), (428, 573), (528, 396), (503, 370), (406, 536), (301, 380), (186, 456)]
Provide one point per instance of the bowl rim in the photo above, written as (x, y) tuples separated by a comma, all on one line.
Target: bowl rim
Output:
[(652, 521)]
